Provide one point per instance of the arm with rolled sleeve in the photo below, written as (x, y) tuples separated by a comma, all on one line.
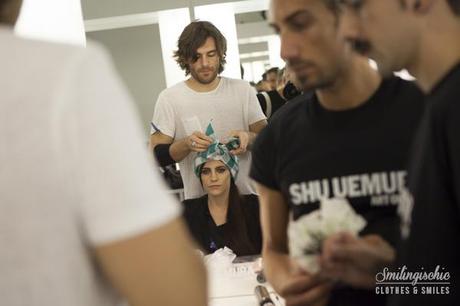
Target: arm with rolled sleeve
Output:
[(125, 214), (296, 286)]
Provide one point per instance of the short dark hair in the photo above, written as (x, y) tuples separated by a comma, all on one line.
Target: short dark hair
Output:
[(333, 5), (280, 74), (9, 10), (455, 6), (194, 36), (273, 70), (264, 76)]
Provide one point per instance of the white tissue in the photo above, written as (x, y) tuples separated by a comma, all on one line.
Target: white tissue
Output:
[(306, 234), (220, 259)]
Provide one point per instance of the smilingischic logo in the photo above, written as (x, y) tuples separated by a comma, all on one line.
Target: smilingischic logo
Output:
[(403, 281)]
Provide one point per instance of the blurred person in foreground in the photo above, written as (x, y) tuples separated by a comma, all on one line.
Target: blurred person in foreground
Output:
[(83, 221)]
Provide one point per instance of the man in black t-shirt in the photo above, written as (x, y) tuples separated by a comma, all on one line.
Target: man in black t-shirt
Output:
[(351, 140), (423, 36)]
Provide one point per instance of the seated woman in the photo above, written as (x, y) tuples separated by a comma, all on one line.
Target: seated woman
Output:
[(222, 217)]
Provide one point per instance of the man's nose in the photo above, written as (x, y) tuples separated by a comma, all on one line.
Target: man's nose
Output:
[(290, 49), (204, 61)]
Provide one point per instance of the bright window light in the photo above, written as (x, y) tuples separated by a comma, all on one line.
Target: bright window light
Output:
[(223, 17), (171, 24), (258, 68), (253, 54), (248, 75), (52, 20), (274, 49)]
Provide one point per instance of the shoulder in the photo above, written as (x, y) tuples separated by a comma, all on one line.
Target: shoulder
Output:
[(403, 92), (445, 98), (176, 89), (287, 117), (290, 111), (251, 207), (251, 201), (273, 94), (237, 83), (250, 198), (194, 206)]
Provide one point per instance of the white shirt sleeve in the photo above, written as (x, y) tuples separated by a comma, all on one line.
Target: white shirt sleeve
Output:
[(120, 193), (164, 117), (255, 112)]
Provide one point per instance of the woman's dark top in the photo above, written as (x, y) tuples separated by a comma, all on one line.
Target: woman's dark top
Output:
[(212, 237)]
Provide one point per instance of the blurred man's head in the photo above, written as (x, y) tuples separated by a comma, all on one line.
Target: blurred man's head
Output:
[(202, 50), (271, 77), (310, 42), (9, 11), (390, 31)]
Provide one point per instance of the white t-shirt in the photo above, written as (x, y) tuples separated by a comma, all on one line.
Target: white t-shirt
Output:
[(232, 105), (74, 173)]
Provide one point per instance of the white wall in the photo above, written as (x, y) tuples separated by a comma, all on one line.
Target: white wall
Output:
[(136, 52), (108, 8)]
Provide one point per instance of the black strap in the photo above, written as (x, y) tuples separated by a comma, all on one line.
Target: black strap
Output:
[(162, 155)]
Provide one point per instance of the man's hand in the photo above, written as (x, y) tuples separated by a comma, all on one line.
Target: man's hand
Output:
[(355, 260), (198, 142), (304, 289), (244, 137)]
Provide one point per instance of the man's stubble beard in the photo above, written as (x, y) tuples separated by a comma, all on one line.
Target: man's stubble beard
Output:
[(196, 76)]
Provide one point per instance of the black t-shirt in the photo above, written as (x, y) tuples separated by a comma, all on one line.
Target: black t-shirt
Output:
[(211, 237), (434, 184), (307, 152)]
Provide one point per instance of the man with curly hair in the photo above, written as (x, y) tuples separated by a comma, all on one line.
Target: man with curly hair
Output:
[(183, 109)]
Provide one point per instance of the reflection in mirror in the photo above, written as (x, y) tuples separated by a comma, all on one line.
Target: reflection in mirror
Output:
[(142, 48)]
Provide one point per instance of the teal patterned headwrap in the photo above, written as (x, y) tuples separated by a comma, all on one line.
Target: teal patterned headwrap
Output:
[(219, 151)]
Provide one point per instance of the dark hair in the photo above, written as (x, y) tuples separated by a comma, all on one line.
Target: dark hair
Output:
[(281, 73), (9, 10), (237, 229), (455, 6), (333, 5), (273, 70), (194, 36)]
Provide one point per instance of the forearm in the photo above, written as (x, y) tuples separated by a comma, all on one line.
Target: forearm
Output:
[(252, 138), (277, 267), (145, 274), (179, 150)]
